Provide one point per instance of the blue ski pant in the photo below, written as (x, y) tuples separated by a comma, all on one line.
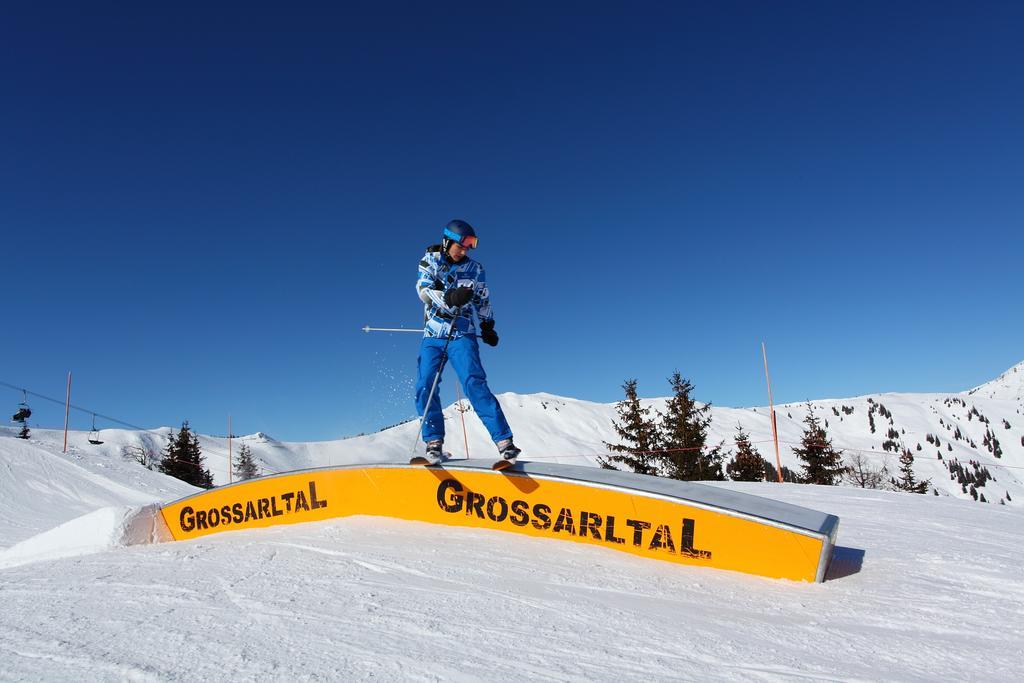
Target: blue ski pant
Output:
[(464, 356)]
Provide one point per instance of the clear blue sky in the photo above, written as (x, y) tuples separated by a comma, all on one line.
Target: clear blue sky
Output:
[(202, 206)]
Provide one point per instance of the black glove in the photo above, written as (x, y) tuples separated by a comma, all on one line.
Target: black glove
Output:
[(487, 333), (458, 296)]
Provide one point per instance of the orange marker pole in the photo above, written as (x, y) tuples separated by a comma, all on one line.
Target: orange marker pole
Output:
[(771, 407), (229, 449)]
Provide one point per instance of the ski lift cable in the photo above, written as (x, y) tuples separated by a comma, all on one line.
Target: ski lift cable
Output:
[(78, 408), (85, 410), (213, 450)]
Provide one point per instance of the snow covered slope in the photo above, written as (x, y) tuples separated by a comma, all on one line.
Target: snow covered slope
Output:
[(1009, 386), (41, 488), (920, 588)]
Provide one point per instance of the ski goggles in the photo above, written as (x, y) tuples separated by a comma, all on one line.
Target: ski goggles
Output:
[(469, 241)]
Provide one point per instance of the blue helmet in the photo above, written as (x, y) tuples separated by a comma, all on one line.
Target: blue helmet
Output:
[(461, 232)]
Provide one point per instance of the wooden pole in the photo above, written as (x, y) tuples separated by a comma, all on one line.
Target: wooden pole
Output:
[(67, 410), (771, 407)]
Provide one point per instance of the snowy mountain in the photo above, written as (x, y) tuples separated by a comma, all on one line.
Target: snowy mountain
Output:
[(960, 441), (1008, 386), (920, 587)]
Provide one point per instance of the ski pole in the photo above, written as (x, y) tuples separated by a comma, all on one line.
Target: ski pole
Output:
[(391, 329), (437, 377)]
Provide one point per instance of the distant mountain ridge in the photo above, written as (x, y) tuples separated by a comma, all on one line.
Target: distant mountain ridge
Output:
[(969, 444), (1008, 386)]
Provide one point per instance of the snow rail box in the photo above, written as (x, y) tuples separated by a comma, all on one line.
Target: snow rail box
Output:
[(664, 519)]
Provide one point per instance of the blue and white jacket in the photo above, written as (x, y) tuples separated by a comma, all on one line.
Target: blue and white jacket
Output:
[(437, 274)]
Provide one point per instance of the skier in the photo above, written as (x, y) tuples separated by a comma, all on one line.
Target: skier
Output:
[(452, 287)]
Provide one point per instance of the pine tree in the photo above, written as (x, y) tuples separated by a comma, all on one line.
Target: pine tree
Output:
[(788, 475), (747, 464), (183, 458), (638, 433), (683, 434), (245, 467), (907, 482), (822, 463)]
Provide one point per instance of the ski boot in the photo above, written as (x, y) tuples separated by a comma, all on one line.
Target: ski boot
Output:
[(432, 456), (508, 454)]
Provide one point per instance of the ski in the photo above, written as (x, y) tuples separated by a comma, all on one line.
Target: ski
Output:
[(427, 461), (508, 452), (503, 464)]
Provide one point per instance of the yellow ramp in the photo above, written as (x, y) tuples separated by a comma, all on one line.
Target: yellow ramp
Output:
[(663, 519)]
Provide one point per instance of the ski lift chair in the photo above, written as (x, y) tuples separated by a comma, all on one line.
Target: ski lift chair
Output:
[(94, 435), (24, 412)]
